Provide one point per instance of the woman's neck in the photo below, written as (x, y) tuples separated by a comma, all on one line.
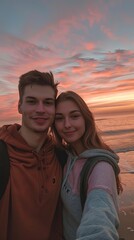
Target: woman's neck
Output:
[(77, 148)]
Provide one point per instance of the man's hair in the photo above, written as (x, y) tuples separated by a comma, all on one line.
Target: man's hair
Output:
[(35, 77)]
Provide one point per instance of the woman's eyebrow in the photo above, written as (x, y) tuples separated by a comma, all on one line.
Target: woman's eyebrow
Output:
[(73, 111)]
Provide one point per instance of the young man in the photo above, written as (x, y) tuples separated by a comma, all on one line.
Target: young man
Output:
[(30, 208)]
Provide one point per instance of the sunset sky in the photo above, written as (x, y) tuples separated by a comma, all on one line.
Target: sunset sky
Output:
[(87, 44)]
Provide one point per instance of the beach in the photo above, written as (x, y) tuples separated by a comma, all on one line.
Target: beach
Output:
[(126, 205), (126, 199)]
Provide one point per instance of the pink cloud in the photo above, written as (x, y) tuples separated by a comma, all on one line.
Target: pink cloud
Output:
[(8, 109), (90, 46), (108, 33)]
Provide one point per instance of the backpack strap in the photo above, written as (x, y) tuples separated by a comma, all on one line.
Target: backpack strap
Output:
[(87, 170), (4, 167)]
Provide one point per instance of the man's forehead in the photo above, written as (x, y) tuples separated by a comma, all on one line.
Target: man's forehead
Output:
[(39, 91)]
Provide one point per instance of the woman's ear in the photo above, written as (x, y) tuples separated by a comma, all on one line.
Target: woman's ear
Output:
[(19, 107)]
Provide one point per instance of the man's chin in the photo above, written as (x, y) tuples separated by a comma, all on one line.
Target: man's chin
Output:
[(40, 130)]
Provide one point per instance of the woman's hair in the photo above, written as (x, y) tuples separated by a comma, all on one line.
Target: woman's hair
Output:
[(90, 138)]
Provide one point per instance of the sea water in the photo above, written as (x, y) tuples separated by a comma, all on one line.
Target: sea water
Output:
[(118, 132)]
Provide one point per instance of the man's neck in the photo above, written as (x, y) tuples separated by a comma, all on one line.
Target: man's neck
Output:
[(33, 139)]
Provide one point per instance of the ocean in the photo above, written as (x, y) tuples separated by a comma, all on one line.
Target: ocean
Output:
[(118, 133)]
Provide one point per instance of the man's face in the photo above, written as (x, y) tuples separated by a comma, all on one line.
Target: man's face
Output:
[(37, 108)]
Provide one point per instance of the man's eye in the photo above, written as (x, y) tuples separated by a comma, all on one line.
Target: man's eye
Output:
[(49, 102)]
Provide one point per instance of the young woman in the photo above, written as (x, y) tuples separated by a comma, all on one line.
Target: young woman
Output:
[(75, 130)]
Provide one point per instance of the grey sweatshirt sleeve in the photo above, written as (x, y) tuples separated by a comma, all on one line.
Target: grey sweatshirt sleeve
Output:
[(100, 218)]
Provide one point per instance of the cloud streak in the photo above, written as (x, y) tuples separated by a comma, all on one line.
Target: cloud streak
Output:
[(86, 44)]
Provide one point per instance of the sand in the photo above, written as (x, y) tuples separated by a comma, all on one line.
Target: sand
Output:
[(126, 204), (126, 229)]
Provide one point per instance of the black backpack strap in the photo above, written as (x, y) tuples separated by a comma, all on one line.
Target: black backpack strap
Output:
[(86, 171), (4, 167), (61, 155)]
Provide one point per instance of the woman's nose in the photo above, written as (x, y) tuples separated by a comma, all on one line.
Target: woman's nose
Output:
[(67, 123)]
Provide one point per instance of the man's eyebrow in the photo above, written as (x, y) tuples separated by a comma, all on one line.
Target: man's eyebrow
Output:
[(30, 97), (50, 99)]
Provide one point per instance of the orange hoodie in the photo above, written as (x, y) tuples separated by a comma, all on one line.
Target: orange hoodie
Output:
[(30, 207)]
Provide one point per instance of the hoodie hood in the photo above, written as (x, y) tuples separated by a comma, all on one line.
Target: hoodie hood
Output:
[(100, 152), (10, 135), (94, 153), (113, 158), (18, 148)]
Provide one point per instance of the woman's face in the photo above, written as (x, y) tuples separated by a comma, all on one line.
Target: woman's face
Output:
[(69, 122)]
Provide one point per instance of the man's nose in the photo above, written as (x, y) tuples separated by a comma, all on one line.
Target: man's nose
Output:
[(40, 107)]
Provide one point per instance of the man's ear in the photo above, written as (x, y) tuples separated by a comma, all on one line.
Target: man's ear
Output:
[(19, 107)]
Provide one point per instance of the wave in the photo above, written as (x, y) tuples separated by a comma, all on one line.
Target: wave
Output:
[(127, 171), (117, 132), (124, 149)]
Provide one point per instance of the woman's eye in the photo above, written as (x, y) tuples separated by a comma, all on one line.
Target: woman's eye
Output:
[(75, 116)]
